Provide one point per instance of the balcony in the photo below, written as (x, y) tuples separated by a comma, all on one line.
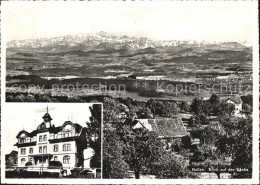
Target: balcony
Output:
[(26, 140), (61, 135)]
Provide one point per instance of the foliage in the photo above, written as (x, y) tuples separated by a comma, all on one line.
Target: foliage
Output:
[(247, 108), (140, 148), (248, 99), (170, 166), (184, 106), (242, 154), (94, 134), (226, 109), (197, 106), (208, 148), (165, 109), (215, 103), (114, 166), (170, 109), (237, 143), (197, 120), (145, 113)]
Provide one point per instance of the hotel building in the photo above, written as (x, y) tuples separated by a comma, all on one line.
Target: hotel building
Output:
[(47, 143)]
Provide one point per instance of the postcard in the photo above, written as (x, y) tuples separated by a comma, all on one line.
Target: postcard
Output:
[(140, 92)]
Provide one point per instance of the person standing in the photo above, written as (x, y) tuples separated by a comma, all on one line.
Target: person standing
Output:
[(69, 172)]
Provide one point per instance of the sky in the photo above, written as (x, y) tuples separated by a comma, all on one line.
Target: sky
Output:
[(27, 116), (209, 21)]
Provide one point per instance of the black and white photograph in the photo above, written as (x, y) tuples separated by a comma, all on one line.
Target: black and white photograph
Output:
[(178, 82), (52, 140)]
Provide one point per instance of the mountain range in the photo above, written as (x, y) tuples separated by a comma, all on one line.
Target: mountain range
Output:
[(103, 40)]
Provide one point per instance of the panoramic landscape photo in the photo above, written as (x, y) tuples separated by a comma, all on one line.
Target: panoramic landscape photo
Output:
[(176, 85)]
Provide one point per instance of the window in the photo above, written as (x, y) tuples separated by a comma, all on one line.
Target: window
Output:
[(66, 159), (40, 138), (23, 151), (66, 147), (45, 138), (43, 126), (56, 148), (67, 134), (22, 140), (23, 161), (31, 150), (40, 149), (45, 149)]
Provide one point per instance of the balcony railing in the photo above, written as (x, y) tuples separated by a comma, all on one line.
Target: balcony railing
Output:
[(26, 140), (63, 135)]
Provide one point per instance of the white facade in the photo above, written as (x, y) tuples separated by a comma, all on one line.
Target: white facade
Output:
[(49, 143)]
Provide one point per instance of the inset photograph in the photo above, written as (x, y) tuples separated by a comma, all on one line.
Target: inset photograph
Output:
[(52, 140)]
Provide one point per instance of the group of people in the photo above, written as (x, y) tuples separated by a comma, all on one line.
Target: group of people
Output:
[(65, 172)]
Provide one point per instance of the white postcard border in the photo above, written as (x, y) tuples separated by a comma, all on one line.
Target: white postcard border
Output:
[(255, 175)]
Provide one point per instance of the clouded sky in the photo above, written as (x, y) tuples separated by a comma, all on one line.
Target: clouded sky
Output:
[(27, 116), (210, 21)]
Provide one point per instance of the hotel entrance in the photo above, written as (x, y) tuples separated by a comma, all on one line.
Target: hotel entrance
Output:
[(41, 160)]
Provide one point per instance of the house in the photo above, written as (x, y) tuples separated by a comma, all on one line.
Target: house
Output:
[(11, 159), (164, 127), (237, 102), (48, 143), (169, 130)]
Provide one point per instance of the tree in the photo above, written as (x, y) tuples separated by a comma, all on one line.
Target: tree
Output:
[(242, 153), (151, 104), (9, 98), (197, 120), (214, 99), (30, 98), (111, 110), (75, 99), (44, 98), (170, 109), (215, 103), (94, 134), (208, 140), (248, 99), (208, 148), (140, 147), (114, 166), (170, 166), (184, 106), (197, 106), (144, 113), (19, 98), (226, 109), (247, 108), (237, 144), (207, 107)]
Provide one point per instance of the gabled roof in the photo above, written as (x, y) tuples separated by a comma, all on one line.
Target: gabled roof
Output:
[(164, 127), (51, 129), (235, 98), (21, 132), (75, 125)]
